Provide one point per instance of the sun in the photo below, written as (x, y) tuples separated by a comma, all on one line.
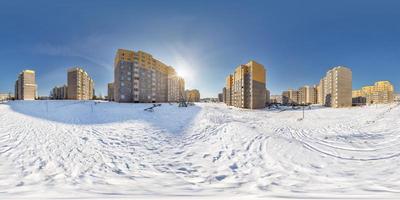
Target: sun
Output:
[(184, 67), (182, 72)]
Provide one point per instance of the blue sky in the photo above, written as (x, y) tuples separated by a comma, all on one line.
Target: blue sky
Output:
[(297, 41)]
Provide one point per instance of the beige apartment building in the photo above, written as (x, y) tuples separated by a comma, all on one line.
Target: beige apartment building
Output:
[(335, 89), (80, 85), (227, 91), (246, 87), (138, 77), (110, 91), (176, 87), (276, 99), (397, 97), (381, 92), (291, 97), (60, 92), (220, 97), (320, 92), (267, 97), (308, 95), (304, 95), (25, 86), (285, 97), (5, 96), (192, 95)]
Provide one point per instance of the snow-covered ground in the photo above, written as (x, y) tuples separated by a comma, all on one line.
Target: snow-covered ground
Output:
[(72, 149)]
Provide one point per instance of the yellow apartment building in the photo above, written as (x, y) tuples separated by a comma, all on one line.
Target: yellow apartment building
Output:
[(381, 92), (192, 95), (80, 85), (245, 88), (25, 85), (335, 89)]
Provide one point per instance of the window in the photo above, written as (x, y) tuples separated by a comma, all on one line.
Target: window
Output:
[(122, 96)]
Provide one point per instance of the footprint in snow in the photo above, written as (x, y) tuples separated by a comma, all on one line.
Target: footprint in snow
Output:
[(234, 167), (220, 177)]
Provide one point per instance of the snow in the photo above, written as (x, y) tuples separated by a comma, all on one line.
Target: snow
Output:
[(71, 149)]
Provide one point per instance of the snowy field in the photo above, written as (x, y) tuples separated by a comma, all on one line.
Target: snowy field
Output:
[(72, 149)]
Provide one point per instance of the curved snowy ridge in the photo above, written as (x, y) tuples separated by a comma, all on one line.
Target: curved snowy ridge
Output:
[(69, 148)]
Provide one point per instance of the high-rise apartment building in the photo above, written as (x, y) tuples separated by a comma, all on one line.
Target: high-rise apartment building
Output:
[(320, 92), (291, 97), (285, 97), (336, 88), (220, 97), (267, 97), (380, 93), (138, 77), (246, 87), (80, 85), (294, 96), (25, 86), (227, 91), (60, 92), (308, 95), (312, 95), (110, 91), (192, 95), (304, 95), (176, 87), (276, 99)]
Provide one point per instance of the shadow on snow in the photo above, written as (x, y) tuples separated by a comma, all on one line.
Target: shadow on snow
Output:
[(168, 116)]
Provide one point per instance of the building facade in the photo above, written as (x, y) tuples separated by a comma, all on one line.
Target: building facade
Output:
[(227, 91), (291, 97), (110, 92), (192, 95), (25, 86), (381, 92), (276, 99), (138, 77), (285, 97), (320, 92), (336, 88), (397, 97), (80, 85), (60, 92), (304, 95), (220, 97), (5, 96), (176, 87), (308, 95), (246, 87)]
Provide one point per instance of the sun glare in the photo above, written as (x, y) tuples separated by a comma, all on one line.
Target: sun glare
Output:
[(183, 68), (183, 73)]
